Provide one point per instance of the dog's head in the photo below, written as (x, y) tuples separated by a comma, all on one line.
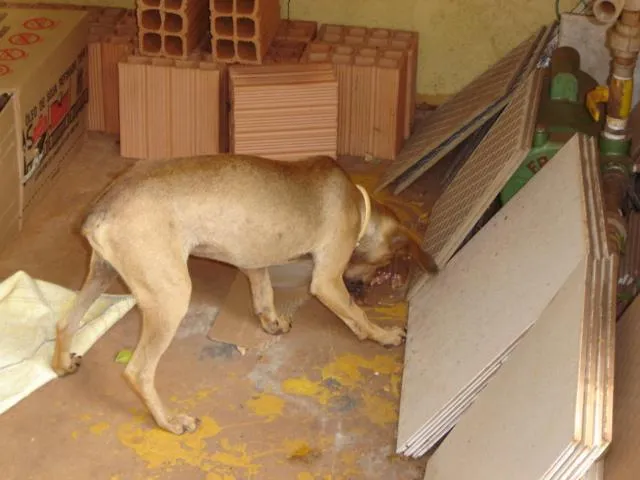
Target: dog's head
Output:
[(385, 238)]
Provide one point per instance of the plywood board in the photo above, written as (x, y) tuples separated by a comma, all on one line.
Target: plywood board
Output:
[(622, 461), (546, 376), (482, 176), (552, 423), (463, 322), (460, 116)]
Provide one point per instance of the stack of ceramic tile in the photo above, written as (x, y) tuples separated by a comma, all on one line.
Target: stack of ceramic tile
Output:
[(112, 36), (284, 112), (543, 260), (171, 108)]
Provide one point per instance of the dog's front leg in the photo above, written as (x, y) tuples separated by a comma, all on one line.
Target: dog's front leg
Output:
[(328, 286), (263, 303)]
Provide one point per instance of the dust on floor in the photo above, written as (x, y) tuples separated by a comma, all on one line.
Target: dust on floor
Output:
[(313, 405)]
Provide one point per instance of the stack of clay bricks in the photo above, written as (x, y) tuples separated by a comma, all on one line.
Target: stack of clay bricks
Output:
[(284, 112), (291, 41), (172, 108), (376, 70), (112, 36), (172, 28), (242, 30)]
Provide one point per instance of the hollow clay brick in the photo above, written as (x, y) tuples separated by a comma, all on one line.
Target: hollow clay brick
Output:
[(371, 114), (389, 104), (297, 30), (242, 30), (108, 43), (182, 104), (113, 50), (290, 41), (406, 41), (95, 107), (184, 78), (159, 121), (284, 112), (133, 106), (173, 28)]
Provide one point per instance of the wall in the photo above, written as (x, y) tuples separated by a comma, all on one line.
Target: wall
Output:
[(458, 38)]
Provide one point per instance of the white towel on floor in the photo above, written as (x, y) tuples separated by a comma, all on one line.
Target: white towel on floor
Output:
[(29, 310)]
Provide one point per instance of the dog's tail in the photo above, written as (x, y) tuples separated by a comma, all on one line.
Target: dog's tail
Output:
[(101, 275)]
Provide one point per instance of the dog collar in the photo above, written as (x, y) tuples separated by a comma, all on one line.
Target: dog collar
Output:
[(367, 212)]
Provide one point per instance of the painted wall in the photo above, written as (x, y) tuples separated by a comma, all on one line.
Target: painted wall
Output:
[(459, 39)]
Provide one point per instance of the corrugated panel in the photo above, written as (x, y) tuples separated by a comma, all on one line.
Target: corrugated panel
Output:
[(483, 175), (460, 116)]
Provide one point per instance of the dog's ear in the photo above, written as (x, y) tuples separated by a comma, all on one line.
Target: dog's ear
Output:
[(406, 238)]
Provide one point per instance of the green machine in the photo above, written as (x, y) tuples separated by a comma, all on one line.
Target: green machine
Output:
[(561, 113)]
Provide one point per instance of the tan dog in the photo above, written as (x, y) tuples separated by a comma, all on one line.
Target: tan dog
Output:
[(246, 211)]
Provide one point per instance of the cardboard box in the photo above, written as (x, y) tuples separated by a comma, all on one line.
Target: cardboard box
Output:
[(43, 64), (9, 173)]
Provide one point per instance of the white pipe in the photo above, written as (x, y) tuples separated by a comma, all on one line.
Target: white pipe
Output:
[(608, 11)]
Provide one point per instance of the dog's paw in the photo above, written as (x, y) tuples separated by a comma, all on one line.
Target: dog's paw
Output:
[(393, 337), (181, 424), (275, 325), (66, 364)]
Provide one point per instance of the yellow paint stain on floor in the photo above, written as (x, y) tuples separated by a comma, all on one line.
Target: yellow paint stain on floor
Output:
[(378, 410), (99, 428), (266, 405), (347, 369), (304, 387), (396, 312), (216, 476), (353, 372), (161, 449), (192, 401)]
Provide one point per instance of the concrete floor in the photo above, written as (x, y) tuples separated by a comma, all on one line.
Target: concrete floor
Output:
[(314, 404)]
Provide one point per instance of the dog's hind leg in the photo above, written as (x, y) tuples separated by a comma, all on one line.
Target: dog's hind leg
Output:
[(263, 302), (163, 292), (328, 286), (100, 276)]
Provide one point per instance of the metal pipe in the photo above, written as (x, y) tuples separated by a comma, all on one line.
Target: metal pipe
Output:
[(624, 41)]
